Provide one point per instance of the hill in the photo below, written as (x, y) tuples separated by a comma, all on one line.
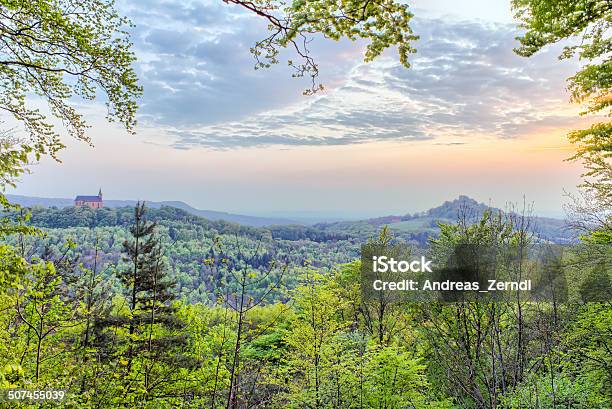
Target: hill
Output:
[(419, 227), (30, 201)]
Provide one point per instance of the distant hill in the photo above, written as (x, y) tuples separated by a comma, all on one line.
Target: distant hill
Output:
[(29, 201), (452, 209), (419, 226)]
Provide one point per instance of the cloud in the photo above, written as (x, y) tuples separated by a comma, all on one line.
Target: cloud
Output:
[(195, 65), (202, 90)]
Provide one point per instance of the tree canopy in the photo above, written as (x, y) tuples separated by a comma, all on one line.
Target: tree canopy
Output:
[(58, 50), (383, 23), (587, 24)]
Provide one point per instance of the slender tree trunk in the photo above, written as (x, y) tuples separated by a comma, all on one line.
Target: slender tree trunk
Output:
[(232, 400), (218, 366), (133, 295), (90, 296), (39, 349)]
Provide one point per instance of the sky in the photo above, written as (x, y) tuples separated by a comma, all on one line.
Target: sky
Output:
[(469, 117)]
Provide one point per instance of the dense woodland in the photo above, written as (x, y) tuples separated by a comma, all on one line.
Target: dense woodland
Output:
[(157, 308), (189, 239), (97, 236)]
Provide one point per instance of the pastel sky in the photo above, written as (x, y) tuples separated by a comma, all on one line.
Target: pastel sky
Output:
[(470, 117)]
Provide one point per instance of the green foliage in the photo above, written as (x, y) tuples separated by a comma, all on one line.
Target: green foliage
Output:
[(383, 24), (188, 242), (13, 163), (577, 375), (331, 360), (594, 147), (587, 348), (43, 305), (556, 391), (321, 344), (60, 49), (144, 338), (588, 23), (54, 51)]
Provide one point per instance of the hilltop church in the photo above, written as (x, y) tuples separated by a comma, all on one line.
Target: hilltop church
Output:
[(93, 202)]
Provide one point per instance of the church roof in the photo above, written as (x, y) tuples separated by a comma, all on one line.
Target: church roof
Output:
[(88, 199)]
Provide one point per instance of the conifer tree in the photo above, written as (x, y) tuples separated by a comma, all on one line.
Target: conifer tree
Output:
[(145, 338)]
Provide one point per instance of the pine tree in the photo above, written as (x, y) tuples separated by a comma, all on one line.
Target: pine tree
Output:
[(146, 338)]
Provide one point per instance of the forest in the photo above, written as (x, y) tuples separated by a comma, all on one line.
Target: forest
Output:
[(158, 308)]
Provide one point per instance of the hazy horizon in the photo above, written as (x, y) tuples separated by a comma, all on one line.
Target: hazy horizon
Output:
[(305, 214)]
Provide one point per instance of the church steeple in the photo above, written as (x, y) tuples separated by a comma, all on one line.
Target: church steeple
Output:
[(100, 193)]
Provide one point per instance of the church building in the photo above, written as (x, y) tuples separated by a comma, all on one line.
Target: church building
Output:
[(94, 202)]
